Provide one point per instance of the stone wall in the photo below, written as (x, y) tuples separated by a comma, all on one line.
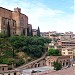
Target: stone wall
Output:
[(18, 22)]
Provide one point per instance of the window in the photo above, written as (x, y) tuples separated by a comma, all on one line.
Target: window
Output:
[(3, 21), (4, 31), (15, 73), (8, 22), (13, 23), (43, 64), (51, 63), (3, 68), (35, 65), (63, 64), (13, 32), (22, 21), (66, 63), (63, 52), (38, 65), (9, 74), (69, 52)]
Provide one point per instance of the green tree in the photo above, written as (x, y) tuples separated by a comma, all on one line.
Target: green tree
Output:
[(53, 52), (8, 30), (1, 46), (57, 66), (3, 35), (38, 32), (20, 62), (33, 46)]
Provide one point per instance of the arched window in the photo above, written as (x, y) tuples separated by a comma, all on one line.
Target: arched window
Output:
[(9, 74), (3, 69), (14, 73)]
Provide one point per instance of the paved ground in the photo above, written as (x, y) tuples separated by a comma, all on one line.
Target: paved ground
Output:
[(68, 71), (39, 69)]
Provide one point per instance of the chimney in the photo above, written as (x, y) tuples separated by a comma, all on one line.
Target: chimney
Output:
[(17, 10)]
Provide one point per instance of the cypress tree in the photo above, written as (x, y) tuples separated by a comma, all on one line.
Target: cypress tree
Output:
[(38, 32), (8, 30)]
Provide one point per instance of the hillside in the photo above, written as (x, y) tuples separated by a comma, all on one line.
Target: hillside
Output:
[(18, 50)]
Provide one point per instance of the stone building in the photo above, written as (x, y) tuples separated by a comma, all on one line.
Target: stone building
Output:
[(4, 70), (64, 60), (3, 67), (34, 32), (17, 21), (66, 43), (67, 51)]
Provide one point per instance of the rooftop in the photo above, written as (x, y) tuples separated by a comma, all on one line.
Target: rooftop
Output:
[(2, 65)]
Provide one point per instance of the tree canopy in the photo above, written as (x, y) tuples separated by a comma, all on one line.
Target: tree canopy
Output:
[(8, 30), (38, 31), (57, 66), (33, 46), (53, 52)]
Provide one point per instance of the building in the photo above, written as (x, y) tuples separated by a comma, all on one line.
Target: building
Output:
[(3, 67), (66, 43), (49, 34), (4, 70), (17, 21), (55, 35), (45, 34), (29, 30), (67, 51), (10, 72), (34, 32), (64, 60), (52, 45), (66, 35)]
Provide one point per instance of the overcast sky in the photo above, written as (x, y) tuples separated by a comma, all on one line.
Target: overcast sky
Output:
[(49, 15)]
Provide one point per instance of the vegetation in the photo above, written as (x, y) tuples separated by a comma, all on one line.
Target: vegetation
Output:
[(38, 31), (57, 66), (8, 30), (53, 52), (2, 35), (33, 47), (55, 34)]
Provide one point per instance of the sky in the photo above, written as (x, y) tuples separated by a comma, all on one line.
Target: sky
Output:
[(49, 15)]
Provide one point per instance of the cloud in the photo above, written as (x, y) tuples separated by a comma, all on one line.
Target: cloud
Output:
[(41, 15)]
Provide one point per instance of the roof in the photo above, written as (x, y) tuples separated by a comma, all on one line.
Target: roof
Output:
[(1, 65), (12, 11), (5, 9), (9, 71)]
